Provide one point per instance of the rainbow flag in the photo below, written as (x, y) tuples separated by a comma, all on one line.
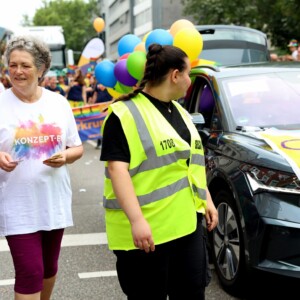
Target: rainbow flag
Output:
[(89, 120)]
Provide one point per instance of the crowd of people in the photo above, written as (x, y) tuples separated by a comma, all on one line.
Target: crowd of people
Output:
[(80, 89)]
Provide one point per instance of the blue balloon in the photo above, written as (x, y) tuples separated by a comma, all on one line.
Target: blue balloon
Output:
[(127, 43), (104, 72), (159, 36)]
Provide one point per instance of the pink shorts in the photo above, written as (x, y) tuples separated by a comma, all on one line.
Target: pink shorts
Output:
[(35, 257)]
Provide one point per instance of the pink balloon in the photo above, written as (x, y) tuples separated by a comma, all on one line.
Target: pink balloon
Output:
[(124, 56), (122, 73)]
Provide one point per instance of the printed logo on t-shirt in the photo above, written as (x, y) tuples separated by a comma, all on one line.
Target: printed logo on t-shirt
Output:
[(37, 140)]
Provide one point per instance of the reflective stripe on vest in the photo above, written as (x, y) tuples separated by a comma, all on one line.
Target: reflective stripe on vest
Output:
[(153, 162)]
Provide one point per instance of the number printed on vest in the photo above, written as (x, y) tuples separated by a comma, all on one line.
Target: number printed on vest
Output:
[(166, 144)]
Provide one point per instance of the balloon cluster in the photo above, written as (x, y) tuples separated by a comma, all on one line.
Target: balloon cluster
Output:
[(121, 77)]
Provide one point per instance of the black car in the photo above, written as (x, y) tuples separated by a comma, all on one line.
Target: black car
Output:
[(255, 188), (231, 44)]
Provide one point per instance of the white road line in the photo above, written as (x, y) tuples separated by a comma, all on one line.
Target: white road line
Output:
[(70, 240), (7, 282), (86, 239), (97, 274)]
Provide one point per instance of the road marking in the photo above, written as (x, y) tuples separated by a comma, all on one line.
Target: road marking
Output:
[(97, 274), (69, 240), (7, 282)]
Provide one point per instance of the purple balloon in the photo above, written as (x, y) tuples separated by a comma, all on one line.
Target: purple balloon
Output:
[(122, 73)]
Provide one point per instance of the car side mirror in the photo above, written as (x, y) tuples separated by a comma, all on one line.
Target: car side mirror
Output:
[(198, 120)]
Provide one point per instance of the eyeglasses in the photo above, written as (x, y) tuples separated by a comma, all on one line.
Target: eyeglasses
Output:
[(21, 43)]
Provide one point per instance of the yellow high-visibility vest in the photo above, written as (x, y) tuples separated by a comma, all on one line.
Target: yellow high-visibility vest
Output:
[(169, 189)]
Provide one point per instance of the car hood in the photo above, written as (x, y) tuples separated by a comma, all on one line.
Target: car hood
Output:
[(246, 147)]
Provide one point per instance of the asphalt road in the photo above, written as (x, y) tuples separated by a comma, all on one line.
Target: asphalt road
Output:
[(86, 266)]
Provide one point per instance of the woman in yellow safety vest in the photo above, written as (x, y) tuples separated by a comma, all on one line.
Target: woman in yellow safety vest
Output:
[(155, 191)]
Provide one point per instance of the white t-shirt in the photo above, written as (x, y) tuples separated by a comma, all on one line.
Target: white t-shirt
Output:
[(34, 196), (295, 55)]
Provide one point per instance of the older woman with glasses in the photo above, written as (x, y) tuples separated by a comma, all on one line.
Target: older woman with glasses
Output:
[(38, 138)]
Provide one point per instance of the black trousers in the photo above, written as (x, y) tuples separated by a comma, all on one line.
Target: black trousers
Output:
[(178, 269)]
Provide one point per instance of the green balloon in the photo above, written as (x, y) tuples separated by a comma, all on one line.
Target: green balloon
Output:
[(136, 64), (123, 89)]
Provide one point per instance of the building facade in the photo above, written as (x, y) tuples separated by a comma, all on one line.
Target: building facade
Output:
[(137, 17)]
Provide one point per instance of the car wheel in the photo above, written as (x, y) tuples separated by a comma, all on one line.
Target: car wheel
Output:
[(227, 246)]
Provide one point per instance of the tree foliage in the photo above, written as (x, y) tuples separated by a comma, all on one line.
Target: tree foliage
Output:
[(75, 16), (279, 19)]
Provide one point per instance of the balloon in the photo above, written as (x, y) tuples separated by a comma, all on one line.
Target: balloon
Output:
[(199, 62), (190, 41), (136, 64), (195, 63), (180, 24), (123, 89), (122, 75), (99, 24), (159, 36), (124, 56), (104, 72), (127, 43), (140, 47), (113, 93), (145, 36)]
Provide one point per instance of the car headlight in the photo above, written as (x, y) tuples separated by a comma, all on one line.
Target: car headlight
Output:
[(267, 180)]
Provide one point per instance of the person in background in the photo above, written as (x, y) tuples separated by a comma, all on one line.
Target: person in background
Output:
[(274, 57), (77, 92), (6, 81), (91, 89), (155, 191), (298, 53), (293, 47), (44, 82), (100, 95), (38, 137), (54, 87), (62, 83)]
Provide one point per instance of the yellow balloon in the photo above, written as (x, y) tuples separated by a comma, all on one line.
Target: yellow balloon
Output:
[(180, 24), (190, 41), (145, 36), (99, 24), (113, 93)]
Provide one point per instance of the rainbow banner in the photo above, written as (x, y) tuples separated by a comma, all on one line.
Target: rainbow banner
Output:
[(89, 120), (286, 143)]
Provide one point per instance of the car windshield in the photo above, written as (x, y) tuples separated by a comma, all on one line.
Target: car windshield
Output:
[(267, 100)]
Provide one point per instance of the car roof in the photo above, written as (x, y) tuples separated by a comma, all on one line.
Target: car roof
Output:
[(246, 69), (227, 27)]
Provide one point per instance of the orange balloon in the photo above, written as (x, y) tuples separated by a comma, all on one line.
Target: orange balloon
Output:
[(180, 24), (99, 24), (140, 47), (194, 63)]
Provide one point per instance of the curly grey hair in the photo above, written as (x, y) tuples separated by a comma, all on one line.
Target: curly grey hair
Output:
[(38, 49)]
